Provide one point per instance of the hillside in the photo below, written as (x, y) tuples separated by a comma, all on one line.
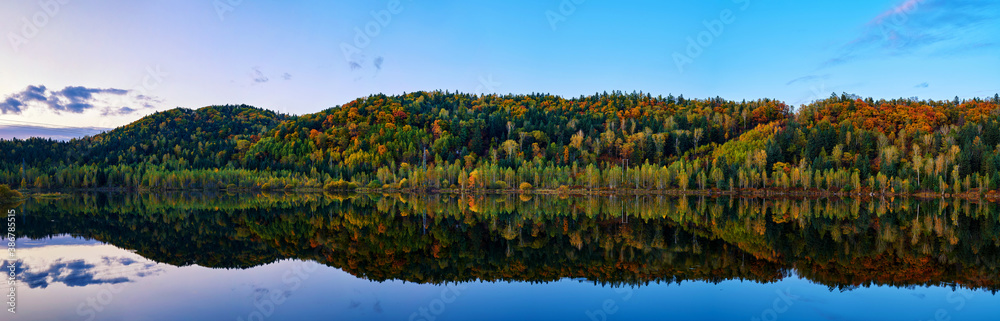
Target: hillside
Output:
[(605, 141), (195, 135)]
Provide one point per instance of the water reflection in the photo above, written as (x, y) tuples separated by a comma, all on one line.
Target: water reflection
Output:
[(434, 239), (447, 241)]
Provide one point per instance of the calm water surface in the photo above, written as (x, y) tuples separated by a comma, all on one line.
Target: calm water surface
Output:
[(405, 257)]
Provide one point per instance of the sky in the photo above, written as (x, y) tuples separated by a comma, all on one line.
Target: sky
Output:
[(70, 68)]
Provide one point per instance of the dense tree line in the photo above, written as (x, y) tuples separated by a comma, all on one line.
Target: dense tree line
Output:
[(9, 196), (443, 140)]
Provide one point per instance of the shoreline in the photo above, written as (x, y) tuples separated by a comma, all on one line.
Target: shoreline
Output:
[(748, 193)]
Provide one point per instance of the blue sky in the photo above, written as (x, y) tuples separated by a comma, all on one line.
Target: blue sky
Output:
[(106, 63)]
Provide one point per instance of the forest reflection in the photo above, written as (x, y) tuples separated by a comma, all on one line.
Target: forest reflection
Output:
[(616, 240)]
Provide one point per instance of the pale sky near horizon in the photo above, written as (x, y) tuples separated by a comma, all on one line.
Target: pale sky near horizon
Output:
[(106, 63)]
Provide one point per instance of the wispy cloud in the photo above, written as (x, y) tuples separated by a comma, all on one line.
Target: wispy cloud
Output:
[(115, 111), (16, 102), (80, 98), (10, 130), (819, 90), (915, 26), (257, 76), (73, 99), (903, 8), (808, 78), (918, 27), (922, 85), (361, 67)]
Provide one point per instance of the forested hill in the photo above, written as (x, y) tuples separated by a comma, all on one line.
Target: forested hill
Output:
[(198, 136), (614, 140)]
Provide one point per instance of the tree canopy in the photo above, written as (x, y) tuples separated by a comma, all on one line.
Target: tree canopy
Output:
[(614, 140)]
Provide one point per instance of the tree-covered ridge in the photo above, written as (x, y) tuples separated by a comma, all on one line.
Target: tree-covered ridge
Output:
[(201, 138), (437, 127), (892, 116), (631, 240), (443, 140)]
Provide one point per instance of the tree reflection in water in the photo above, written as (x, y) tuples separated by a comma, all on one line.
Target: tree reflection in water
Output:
[(632, 240)]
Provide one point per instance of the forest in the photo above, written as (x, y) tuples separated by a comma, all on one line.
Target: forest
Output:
[(443, 141)]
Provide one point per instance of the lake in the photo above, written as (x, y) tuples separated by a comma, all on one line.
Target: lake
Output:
[(211, 256)]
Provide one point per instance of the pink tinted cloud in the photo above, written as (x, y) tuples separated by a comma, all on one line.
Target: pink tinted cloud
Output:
[(904, 8)]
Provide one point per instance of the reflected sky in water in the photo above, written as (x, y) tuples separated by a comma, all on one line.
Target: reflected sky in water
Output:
[(83, 284), (154, 266)]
